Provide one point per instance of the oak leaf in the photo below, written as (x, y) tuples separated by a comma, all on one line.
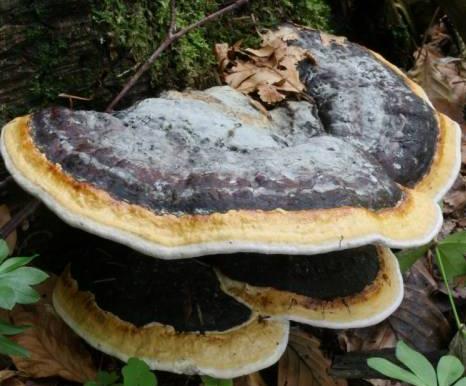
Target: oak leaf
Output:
[(55, 350), (329, 39), (270, 72), (269, 93), (442, 77), (304, 364)]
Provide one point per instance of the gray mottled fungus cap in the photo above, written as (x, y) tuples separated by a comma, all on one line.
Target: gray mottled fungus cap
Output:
[(203, 172)]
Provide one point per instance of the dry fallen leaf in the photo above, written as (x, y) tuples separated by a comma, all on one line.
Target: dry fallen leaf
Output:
[(54, 349), (269, 94), (328, 39), (4, 218), (455, 200), (6, 374), (442, 77), (372, 338), (270, 70), (14, 382), (419, 322), (304, 364)]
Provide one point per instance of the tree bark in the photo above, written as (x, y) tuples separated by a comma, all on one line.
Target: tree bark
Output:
[(48, 47)]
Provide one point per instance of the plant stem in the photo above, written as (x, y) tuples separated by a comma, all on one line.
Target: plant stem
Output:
[(172, 37), (450, 296)]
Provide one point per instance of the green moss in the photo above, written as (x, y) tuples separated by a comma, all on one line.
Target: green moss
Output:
[(138, 26)]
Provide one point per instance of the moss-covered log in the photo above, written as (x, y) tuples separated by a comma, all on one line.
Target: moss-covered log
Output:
[(89, 48)]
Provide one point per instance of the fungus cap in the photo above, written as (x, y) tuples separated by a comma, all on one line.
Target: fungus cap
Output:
[(345, 289), (152, 310), (196, 173)]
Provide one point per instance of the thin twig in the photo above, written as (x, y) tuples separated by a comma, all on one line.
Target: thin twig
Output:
[(18, 218), (169, 40), (426, 33)]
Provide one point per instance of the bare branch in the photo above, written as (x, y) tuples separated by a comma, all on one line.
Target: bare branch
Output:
[(169, 40), (18, 218)]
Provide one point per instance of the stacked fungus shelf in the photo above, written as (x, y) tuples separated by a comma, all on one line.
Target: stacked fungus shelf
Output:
[(291, 216)]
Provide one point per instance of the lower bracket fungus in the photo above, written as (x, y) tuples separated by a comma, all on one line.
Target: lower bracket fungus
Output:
[(345, 289), (172, 315)]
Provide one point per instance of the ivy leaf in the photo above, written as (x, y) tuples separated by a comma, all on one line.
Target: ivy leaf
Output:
[(449, 369), (209, 381), (408, 257), (8, 347), (137, 373), (391, 370), (417, 363)]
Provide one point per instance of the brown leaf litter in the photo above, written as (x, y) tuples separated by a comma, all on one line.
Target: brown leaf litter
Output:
[(304, 363), (270, 71), (55, 350)]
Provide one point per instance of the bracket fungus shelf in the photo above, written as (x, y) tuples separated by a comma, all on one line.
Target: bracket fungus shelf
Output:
[(203, 172), (364, 160), (344, 289), (216, 316), (173, 315)]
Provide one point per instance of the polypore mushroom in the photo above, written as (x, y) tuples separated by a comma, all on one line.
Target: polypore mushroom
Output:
[(173, 315), (345, 289), (196, 173), (365, 160)]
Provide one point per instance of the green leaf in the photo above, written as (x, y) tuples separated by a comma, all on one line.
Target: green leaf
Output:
[(417, 363), (137, 373), (391, 370), (105, 378), (461, 382), (24, 275), (7, 297), (453, 259), (8, 347), (455, 238), (449, 369), (14, 262), (9, 329), (91, 383), (408, 257), (4, 250), (452, 249), (26, 295), (209, 381)]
